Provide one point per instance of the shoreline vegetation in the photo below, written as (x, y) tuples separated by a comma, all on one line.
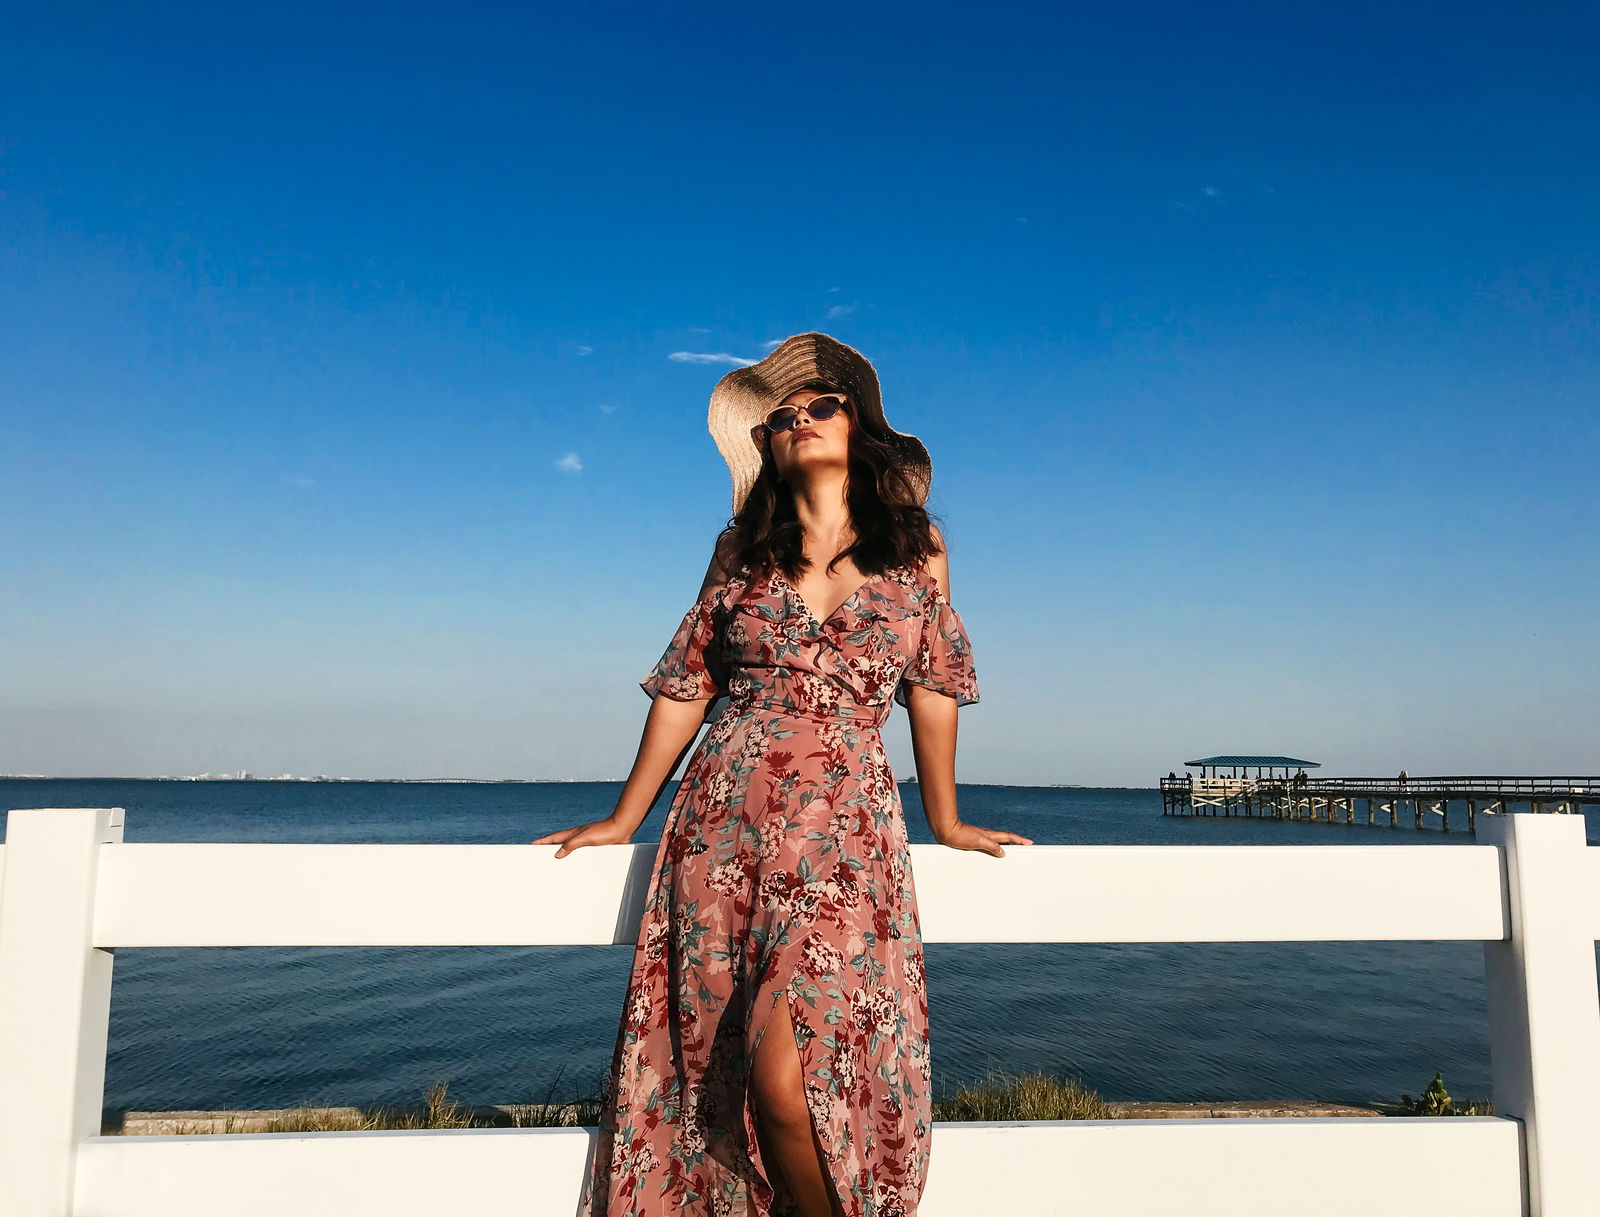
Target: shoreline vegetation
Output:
[(995, 1097)]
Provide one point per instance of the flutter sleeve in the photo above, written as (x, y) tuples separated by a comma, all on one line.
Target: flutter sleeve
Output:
[(943, 658), (691, 668)]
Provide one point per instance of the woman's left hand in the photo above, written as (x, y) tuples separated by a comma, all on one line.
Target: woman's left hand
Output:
[(970, 836)]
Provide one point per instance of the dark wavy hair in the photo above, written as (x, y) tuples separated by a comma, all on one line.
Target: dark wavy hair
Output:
[(892, 529)]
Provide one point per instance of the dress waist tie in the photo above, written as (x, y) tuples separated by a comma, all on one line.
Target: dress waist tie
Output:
[(842, 711)]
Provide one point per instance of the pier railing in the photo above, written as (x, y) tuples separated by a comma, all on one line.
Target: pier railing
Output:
[(1297, 798), (1459, 786), (71, 892), (1456, 787)]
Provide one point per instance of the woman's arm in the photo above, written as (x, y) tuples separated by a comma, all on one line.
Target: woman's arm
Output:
[(671, 725), (933, 732), (933, 744), (669, 728)]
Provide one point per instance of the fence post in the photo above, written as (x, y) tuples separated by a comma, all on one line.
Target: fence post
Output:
[(55, 1002), (1544, 1015)]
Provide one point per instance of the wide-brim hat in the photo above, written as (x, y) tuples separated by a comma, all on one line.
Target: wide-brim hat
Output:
[(745, 396)]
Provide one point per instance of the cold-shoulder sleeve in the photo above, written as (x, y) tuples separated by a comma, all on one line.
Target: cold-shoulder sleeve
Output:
[(943, 658), (691, 668)]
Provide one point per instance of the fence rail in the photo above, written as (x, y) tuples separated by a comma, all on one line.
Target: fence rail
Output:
[(71, 891)]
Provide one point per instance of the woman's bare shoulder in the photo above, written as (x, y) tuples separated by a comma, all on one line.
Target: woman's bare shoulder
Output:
[(722, 567), (938, 564)]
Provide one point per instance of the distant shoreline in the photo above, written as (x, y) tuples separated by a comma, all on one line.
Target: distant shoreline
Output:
[(100, 777)]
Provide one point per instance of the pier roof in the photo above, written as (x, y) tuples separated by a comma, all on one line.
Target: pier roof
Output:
[(1254, 760)]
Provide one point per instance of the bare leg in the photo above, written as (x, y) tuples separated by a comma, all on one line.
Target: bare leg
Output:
[(783, 1122)]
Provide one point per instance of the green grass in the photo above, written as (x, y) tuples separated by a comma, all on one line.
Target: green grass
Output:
[(1027, 1096), (997, 1096)]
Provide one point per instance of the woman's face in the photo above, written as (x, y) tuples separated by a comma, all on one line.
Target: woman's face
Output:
[(810, 445)]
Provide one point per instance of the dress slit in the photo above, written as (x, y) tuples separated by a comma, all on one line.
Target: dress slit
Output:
[(787, 1207)]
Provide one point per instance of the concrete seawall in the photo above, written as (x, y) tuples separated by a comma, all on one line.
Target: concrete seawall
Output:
[(152, 1123)]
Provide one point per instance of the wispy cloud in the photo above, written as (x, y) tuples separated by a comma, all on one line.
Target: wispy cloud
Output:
[(301, 483), (606, 408), (706, 357), (570, 463), (772, 344), (839, 310), (583, 350), (1237, 194)]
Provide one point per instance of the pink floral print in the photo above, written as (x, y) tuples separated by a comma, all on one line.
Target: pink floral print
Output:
[(783, 874)]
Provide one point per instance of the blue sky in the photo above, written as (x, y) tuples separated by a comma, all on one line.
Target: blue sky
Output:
[(354, 362)]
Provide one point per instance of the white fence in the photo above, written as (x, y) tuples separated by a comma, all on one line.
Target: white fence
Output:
[(71, 891)]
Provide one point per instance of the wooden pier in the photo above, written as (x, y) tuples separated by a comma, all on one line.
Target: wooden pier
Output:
[(1334, 799)]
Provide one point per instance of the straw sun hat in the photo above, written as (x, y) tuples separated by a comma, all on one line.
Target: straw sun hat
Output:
[(745, 396)]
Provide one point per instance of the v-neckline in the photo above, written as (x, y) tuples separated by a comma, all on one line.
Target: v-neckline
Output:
[(794, 592)]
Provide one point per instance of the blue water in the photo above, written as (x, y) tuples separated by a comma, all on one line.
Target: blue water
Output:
[(257, 1027)]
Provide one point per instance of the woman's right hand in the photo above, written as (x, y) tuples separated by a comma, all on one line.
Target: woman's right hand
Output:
[(597, 832)]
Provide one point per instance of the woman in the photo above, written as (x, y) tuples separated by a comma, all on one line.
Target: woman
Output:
[(773, 1052)]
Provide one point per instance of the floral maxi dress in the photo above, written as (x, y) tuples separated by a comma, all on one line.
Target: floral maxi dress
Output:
[(783, 873)]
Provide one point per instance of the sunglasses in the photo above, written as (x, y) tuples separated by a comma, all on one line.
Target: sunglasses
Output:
[(819, 408)]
